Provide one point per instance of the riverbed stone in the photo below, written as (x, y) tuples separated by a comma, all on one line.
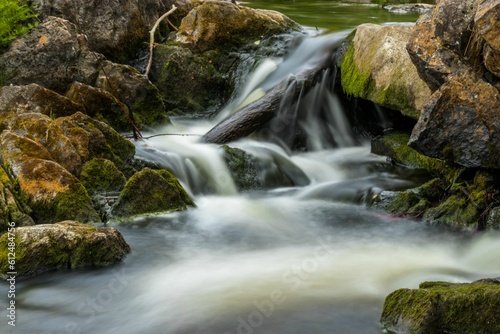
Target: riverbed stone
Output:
[(53, 55), (441, 307), (493, 221), (151, 191), (221, 24), (67, 244), (460, 123), (377, 67), (34, 98), (487, 25)]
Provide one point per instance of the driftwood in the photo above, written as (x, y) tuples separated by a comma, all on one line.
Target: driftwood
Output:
[(256, 114)]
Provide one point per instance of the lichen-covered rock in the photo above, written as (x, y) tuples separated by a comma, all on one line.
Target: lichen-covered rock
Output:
[(151, 191), (52, 55), (116, 28), (135, 91), (440, 307), (219, 24), (460, 123), (377, 67), (487, 25), (440, 39), (101, 105), (67, 244), (100, 176), (12, 208), (34, 98)]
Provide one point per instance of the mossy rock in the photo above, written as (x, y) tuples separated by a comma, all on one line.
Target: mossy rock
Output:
[(243, 168), (66, 244), (377, 67), (150, 192), (395, 146), (440, 307), (101, 175), (13, 208)]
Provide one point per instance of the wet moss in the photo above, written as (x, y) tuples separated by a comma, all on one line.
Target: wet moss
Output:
[(440, 307), (101, 175), (354, 82), (149, 192)]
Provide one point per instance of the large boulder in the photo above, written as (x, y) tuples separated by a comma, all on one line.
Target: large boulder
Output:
[(52, 55), (460, 123), (221, 24), (34, 98), (487, 25), (440, 40), (377, 67), (67, 244), (115, 28), (440, 307), (150, 192)]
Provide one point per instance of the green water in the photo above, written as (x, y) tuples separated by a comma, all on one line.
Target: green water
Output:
[(331, 15)]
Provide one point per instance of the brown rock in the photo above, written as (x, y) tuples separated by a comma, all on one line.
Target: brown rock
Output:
[(487, 25)]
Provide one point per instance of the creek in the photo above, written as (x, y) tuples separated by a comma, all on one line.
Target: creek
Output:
[(311, 257)]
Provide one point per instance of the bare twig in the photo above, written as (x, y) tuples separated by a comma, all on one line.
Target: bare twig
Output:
[(152, 37)]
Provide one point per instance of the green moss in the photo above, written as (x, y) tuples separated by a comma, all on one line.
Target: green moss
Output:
[(151, 191), (354, 81), (439, 307), (101, 175)]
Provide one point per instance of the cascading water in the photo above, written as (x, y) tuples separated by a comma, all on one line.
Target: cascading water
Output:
[(308, 257)]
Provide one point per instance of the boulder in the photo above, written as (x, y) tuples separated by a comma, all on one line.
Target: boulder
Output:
[(101, 105), (150, 192), (220, 24), (460, 123), (243, 168), (63, 245), (101, 176), (115, 28), (34, 98), (493, 221), (487, 25), (135, 91), (440, 307), (377, 67), (440, 39), (52, 55), (188, 82)]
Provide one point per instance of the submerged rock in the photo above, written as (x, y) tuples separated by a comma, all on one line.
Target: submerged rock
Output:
[(149, 192), (377, 67), (440, 307), (66, 244), (219, 24)]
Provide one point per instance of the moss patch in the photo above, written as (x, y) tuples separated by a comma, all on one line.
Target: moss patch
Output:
[(101, 175)]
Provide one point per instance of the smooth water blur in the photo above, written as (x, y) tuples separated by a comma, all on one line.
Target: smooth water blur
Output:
[(331, 15)]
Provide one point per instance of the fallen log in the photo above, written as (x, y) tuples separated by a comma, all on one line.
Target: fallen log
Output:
[(255, 115)]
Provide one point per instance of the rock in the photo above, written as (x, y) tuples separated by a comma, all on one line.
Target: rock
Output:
[(100, 104), (188, 82), (395, 146), (135, 91), (67, 244), (460, 123), (149, 192), (243, 168), (440, 39), (377, 67), (487, 25), (440, 307), (493, 221), (12, 209), (34, 98), (101, 176), (218, 25), (52, 55), (116, 28), (408, 8)]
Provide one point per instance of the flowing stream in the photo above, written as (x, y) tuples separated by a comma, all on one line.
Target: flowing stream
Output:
[(310, 257)]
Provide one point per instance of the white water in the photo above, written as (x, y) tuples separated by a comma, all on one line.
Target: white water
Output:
[(304, 259)]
